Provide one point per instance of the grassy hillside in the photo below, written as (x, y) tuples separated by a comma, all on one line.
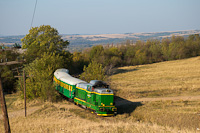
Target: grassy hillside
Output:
[(168, 93), (171, 78), (161, 97), (65, 117)]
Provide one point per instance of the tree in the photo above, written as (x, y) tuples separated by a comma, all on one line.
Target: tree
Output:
[(177, 48), (140, 58), (129, 55), (154, 51), (45, 53), (193, 45), (96, 52), (113, 56), (78, 63), (16, 45), (165, 48), (42, 39), (8, 79), (40, 72), (94, 71)]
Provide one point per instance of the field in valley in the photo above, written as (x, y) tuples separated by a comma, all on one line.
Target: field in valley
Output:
[(160, 97)]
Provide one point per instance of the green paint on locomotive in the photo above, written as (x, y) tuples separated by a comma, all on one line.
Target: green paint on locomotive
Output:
[(102, 104)]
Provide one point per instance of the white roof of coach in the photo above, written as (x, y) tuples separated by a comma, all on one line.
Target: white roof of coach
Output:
[(62, 74)]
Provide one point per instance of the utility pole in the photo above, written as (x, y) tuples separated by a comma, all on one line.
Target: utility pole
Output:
[(24, 76), (24, 79), (4, 109), (2, 98)]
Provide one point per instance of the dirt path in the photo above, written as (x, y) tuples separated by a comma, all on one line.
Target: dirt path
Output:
[(21, 112), (31, 110), (189, 98), (121, 101), (66, 106)]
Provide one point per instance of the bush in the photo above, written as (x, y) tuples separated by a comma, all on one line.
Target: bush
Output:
[(40, 72), (94, 71)]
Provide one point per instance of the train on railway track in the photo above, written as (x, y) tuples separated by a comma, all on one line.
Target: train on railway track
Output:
[(95, 95)]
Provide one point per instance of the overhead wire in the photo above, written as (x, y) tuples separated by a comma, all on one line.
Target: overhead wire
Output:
[(33, 14)]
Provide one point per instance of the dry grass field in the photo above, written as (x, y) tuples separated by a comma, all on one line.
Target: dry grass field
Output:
[(168, 92), (65, 117), (171, 78), (162, 97)]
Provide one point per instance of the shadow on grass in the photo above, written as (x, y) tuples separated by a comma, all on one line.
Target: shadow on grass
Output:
[(117, 71), (124, 106)]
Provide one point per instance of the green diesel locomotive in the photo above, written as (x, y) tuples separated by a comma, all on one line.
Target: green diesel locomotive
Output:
[(95, 95)]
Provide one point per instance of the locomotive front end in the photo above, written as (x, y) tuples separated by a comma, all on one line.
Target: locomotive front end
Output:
[(105, 100)]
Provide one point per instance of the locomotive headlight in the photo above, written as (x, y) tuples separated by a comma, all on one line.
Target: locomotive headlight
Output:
[(102, 104)]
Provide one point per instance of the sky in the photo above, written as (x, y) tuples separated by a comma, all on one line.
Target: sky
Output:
[(99, 16)]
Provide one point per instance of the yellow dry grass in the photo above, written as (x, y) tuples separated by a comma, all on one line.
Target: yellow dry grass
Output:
[(175, 83), (171, 78), (165, 81), (52, 119)]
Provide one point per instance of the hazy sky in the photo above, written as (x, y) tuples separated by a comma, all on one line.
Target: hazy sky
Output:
[(99, 16)]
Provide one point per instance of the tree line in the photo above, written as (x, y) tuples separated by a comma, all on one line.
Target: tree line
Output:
[(151, 51), (46, 52)]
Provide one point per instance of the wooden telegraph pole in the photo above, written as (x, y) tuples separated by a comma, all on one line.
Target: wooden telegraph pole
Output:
[(4, 109), (2, 98)]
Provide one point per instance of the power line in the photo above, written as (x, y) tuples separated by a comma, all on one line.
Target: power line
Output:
[(33, 14)]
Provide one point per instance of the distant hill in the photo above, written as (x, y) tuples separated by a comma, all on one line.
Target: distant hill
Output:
[(78, 42), (10, 40), (116, 38)]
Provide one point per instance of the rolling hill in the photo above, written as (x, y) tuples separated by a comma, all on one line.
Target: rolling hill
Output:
[(160, 97)]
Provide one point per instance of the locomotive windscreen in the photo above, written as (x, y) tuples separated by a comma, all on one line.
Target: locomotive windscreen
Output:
[(98, 83)]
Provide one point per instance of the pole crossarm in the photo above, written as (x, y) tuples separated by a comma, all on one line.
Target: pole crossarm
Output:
[(22, 76), (11, 63), (8, 49)]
